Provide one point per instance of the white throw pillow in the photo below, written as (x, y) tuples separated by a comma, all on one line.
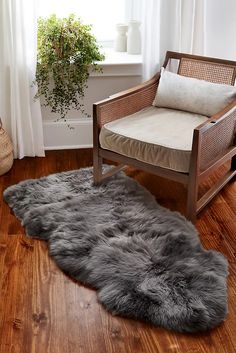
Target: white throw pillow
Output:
[(192, 95)]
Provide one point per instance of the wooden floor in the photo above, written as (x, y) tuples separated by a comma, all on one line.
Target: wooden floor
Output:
[(43, 311)]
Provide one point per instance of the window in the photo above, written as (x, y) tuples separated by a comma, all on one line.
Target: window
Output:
[(103, 15)]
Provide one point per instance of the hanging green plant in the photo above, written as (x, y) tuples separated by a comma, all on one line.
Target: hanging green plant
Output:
[(67, 50)]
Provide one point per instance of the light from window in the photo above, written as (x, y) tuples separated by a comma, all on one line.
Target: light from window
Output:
[(103, 15)]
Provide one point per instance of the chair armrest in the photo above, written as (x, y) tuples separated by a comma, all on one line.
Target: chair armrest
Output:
[(216, 137), (125, 103)]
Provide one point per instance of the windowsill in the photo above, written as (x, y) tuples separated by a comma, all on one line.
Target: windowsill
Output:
[(113, 57), (119, 64)]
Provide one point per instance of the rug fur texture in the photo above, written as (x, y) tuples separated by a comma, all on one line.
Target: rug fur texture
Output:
[(145, 261)]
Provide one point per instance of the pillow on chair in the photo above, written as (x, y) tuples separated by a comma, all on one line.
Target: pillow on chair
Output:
[(192, 95)]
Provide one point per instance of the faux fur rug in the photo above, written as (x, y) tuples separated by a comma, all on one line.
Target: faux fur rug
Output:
[(146, 262)]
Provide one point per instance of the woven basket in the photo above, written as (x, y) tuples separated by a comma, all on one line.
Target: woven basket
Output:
[(6, 151)]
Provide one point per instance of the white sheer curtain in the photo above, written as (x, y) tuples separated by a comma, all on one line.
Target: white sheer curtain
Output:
[(171, 25), (201, 27), (21, 115), (220, 26), (150, 37)]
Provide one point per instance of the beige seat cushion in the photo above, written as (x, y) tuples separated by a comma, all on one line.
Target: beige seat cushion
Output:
[(157, 136)]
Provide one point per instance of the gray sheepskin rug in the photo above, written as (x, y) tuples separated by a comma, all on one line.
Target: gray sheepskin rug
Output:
[(146, 262)]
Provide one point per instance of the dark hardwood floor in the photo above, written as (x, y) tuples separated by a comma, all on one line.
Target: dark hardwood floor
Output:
[(44, 311)]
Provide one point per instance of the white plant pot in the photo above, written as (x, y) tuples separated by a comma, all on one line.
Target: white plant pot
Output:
[(134, 38), (121, 38)]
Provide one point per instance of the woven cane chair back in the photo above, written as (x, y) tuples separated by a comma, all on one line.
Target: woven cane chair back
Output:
[(207, 70)]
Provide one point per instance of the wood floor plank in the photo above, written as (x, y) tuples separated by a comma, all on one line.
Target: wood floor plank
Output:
[(15, 295), (44, 311)]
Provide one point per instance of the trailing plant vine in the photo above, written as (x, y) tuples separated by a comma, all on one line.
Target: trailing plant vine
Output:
[(67, 50)]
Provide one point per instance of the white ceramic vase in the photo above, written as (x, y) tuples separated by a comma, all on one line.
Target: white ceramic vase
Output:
[(134, 38), (121, 38)]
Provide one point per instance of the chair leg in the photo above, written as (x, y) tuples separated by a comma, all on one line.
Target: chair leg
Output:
[(192, 196), (97, 168)]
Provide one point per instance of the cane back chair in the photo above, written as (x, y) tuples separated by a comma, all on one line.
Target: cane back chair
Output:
[(213, 142)]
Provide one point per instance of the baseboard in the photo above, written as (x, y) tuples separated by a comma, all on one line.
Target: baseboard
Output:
[(58, 136), (66, 147)]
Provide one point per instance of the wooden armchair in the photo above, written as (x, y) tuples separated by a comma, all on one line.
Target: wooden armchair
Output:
[(213, 141)]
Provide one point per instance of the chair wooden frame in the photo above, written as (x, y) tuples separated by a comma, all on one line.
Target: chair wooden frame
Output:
[(213, 141)]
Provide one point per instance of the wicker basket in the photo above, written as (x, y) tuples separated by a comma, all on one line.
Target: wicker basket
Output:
[(6, 151)]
